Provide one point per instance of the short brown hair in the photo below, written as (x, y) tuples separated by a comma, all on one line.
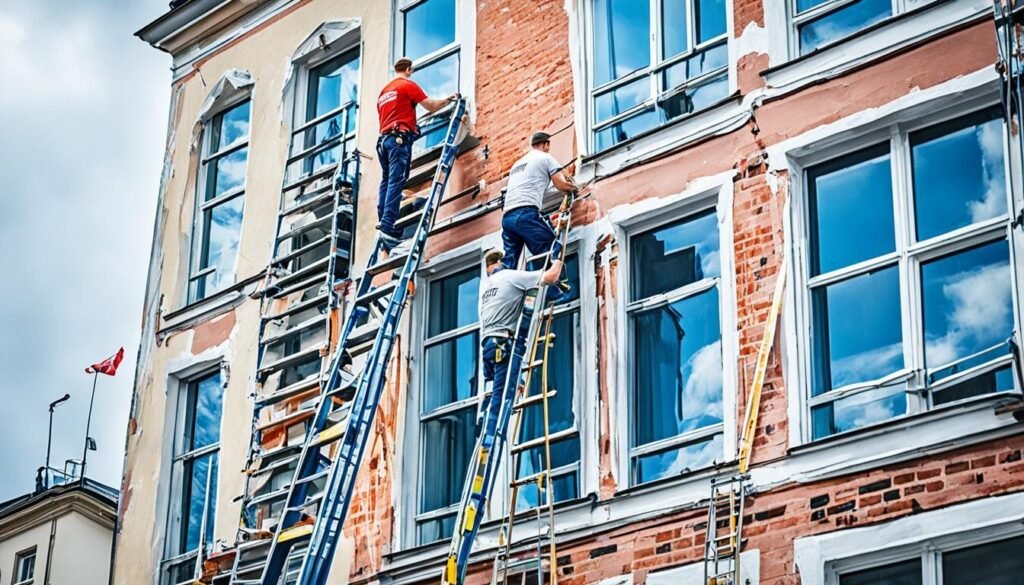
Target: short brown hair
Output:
[(402, 65)]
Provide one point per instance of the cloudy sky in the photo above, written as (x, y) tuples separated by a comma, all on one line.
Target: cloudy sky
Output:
[(83, 110)]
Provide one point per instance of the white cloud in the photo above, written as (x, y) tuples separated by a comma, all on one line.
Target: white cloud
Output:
[(867, 365), (978, 313), (990, 140), (702, 393)]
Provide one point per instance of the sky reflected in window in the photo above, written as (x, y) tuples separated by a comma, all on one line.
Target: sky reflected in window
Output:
[(842, 23), (677, 461), (429, 26), (943, 200), (676, 255), (622, 30)]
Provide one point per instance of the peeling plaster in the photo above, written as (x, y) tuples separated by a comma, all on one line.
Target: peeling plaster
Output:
[(754, 40)]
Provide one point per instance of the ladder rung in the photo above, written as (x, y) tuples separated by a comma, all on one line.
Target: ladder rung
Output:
[(535, 399), (330, 434), (540, 440), (534, 364), (298, 307), (306, 179), (311, 478), (356, 350), (409, 219), (289, 391), (363, 333), (315, 268), (294, 329), (268, 497), (391, 263), (300, 251), (285, 462), (377, 293), (291, 359), (288, 419), (295, 532), (323, 222)]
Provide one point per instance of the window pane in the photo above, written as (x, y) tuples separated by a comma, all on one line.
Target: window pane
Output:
[(710, 19), (842, 23), (677, 460), (205, 407), (803, 5), (620, 99), (230, 127), (563, 453), (851, 198), (905, 573), (696, 97), (967, 303), (560, 379), (194, 500), (566, 487), (944, 200), (673, 27), (447, 446), (453, 302), (333, 83), (222, 229), (428, 27), (622, 32), (706, 61), (439, 79), (626, 129), (26, 568), (857, 330), (859, 410), (435, 529), (674, 256), (677, 383), (226, 173), (451, 371), (996, 563)]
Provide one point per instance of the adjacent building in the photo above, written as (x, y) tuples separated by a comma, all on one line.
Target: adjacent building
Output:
[(58, 535), (858, 147)]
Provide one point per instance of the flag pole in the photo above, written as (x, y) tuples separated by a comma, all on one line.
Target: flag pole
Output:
[(88, 422)]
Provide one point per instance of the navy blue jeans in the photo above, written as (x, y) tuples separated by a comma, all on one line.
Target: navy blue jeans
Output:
[(525, 226), (394, 151), (495, 371)]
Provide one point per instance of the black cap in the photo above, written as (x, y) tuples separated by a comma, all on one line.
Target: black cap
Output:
[(539, 138)]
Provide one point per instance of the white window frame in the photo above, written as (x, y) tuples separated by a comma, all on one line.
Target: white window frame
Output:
[(659, 63), (710, 193), (171, 558), (20, 560), (206, 158), (416, 387), (821, 558), (912, 22), (908, 256), (465, 36), (304, 66)]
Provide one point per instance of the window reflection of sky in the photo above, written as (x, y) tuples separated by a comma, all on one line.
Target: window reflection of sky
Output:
[(967, 303), (859, 410), (447, 446), (233, 125), (842, 23), (193, 513), (676, 255), (852, 216), (225, 226), (209, 401), (947, 200), (451, 368), (429, 26), (676, 461), (678, 368), (622, 31), (453, 302), (228, 172), (864, 337)]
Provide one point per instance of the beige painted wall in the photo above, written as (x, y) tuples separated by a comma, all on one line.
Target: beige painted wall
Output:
[(265, 54), (81, 551)]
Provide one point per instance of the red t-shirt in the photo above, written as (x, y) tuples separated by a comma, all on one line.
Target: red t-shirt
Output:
[(396, 105)]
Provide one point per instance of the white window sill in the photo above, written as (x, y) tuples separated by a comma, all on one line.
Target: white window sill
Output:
[(941, 429), (894, 34), (720, 119), (210, 306)]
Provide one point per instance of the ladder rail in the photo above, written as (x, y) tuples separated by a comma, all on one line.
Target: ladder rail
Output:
[(333, 508)]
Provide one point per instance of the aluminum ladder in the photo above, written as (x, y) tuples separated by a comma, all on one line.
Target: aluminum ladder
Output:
[(485, 460)]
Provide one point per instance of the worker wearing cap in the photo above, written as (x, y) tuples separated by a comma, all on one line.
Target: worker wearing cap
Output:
[(396, 108), (530, 178), (501, 301)]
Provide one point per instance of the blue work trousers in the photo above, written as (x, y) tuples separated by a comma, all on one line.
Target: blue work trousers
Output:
[(526, 226), (497, 351), (394, 151)]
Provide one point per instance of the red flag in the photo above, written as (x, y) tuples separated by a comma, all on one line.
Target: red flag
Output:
[(107, 366)]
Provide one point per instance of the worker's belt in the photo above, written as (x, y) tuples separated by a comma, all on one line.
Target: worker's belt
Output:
[(498, 336), (401, 131)]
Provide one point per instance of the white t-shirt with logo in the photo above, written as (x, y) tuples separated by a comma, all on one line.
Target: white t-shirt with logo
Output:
[(530, 179), (501, 299)]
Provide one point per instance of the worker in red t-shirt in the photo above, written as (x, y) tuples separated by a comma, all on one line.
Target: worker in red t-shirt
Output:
[(396, 108)]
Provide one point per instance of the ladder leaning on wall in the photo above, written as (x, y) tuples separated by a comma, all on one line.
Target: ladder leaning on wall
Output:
[(298, 545), (534, 319)]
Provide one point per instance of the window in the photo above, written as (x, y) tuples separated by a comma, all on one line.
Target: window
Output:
[(676, 386), (327, 121), (448, 400), (909, 274), (653, 61), (822, 22), (428, 33), (194, 475), (996, 563), (218, 223), (563, 428), (24, 567)]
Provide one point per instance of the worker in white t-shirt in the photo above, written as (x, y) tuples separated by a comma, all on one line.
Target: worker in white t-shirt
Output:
[(530, 178), (501, 302)]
